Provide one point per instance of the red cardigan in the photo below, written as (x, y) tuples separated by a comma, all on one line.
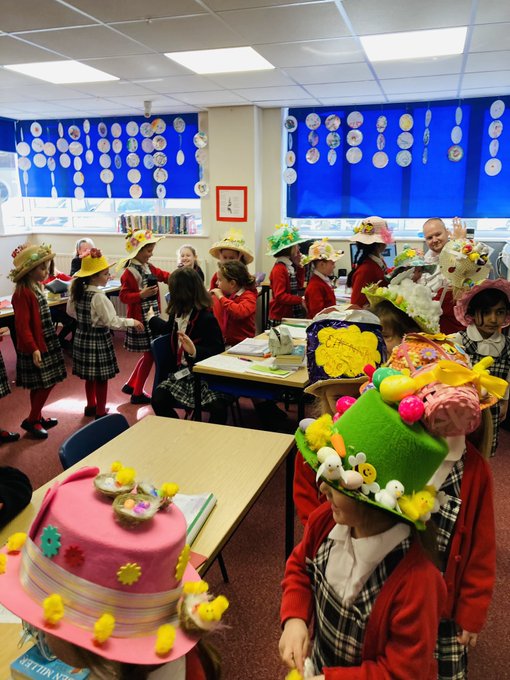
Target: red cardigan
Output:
[(318, 296), (401, 632), (366, 273), (27, 319), (214, 281), (447, 321), (130, 291), (283, 300), (236, 316)]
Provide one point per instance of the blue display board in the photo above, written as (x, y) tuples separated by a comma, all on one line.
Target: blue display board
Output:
[(7, 140), (110, 157), (419, 160)]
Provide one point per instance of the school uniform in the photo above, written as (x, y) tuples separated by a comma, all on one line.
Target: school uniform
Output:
[(371, 270), (375, 604), (35, 331), (214, 281), (186, 667), (236, 315), (319, 294), (287, 281), (15, 493), (4, 380)]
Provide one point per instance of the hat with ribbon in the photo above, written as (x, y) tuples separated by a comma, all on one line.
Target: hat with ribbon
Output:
[(284, 236), (372, 230), (93, 263), (409, 258), (27, 257), (135, 241), (232, 240), (113, 579), (461, 308), (322, 250), (464, 263)]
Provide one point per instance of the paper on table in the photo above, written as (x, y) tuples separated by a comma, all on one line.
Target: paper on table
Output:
[(268, 367), (7, 617), (196, 509), (250, 346), (225, 363)]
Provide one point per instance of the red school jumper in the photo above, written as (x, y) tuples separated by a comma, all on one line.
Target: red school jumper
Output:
[(318, 295), (236, 315), (366, 273), (283, 300), (130, 291)]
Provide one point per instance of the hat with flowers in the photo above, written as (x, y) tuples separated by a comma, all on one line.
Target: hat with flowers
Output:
[(93, 263), (464, 263), (135, 241), (322, 250), (461, 309), (232, 240), (284, 236), (27, 257), (409, 258), (372, 230)]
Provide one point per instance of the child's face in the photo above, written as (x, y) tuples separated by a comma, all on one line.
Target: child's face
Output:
[(186, 257), (83, 248), (325, 267), (226, 254), (346, 510), (490, 321), (390, 339), (227, 287), (418, 271), (145, 253), (101, 278), (39, 273)]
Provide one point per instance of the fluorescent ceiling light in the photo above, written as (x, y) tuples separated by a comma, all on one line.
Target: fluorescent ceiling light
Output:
[(68, 71), (440, 42), (228, 60)]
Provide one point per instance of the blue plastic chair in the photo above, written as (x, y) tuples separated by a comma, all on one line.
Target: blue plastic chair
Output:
[(91, 437), (160, 352)]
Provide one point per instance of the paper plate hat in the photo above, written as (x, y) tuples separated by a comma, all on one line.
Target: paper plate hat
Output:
[(414, 299), (409, 258), (322, 250), (232, 240), (27, 257), (370, 453), (93, 263), (110, 585), (284, 236), (464, 263), (461, 308), (135, 241), (372, 230)]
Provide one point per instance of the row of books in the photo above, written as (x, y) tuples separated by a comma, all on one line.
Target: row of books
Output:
[(184, 224)]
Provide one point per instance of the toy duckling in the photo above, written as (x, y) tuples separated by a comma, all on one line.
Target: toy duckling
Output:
[(390, 494)]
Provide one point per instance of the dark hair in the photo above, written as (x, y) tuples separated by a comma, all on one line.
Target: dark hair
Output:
[(364, 250), (77, 287), (397, 320), (187, 291), (284, 253), (483, 301), (235, 270)]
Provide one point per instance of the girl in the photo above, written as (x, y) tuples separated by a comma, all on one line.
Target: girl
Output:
[(187, 257), (237, 301), (93, 355), (83, 246), (231, 247), (320, 291), (287, 275), (140, 292), (40, 363), (58, 313), (194, 335), (5, 435), (410, 264), (371, 238), (484, 310)]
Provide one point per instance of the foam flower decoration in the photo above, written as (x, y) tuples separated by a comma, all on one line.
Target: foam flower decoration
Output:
[(103, 628), (125, 476), (165, 639), (3, 563), (16, 541), (195, 587), (168, 490), (116, 466), (129, 573), (50, 541), (182, 562), (74, 556), (53, 609)]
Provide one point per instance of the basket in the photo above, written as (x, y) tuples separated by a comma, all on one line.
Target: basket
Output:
[(134, 508), (106, 484)]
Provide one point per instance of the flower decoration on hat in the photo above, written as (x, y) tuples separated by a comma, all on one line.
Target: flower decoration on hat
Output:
[(364, 228), (129, 573), (464, 263), (50, 541), (165, 639), (322, 250), (18, 250), (53, 609), (16, 541), (95, 253), (285, 236), (74, 556), (182, 562), (103, 628)]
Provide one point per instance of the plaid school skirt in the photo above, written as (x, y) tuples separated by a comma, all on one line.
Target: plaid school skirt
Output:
[(93, 354), (452, 657), (4, 381), (183, 391)]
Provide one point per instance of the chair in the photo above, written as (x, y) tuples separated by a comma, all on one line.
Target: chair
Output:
[(91, 437), (159, 349)]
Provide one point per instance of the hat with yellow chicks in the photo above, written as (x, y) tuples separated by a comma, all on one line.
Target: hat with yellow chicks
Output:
[(284, 236), (464, 263)]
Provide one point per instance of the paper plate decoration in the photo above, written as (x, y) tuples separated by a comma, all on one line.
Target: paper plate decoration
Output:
[(160, 175), (456, 134), (103, 145), (179, 158), (201, 156), (428, 117), (147, 145), (332, 122), (36, 129), (312, 155), (455, 153), (133, 160), (354, 137), (77, 162), (65, 161), (290, 159), (426, 136), (179, 125), (354, 155), (200, 140), (289, 176), (39, 160), (160, 159), (102, 130), (333, 140), (37, 144), (116, 130), (75, 148), (132, 144), (380, 141), (104, 160), (148, 162), (332, 157), (493, 167), (406, 122), (313, 138), (380, 159), (62, 145), (135, 191), (381, 124), (23, 149), (132, 128), (355, 119), (404, 159), (497, 108), (458, 115), (134, 176), (161, 191), (106, 176), (495, 129), (313, 121), (146, 130), (405, 140), (201, 188), (117, 145), (159, 142), (158, 126), (290, 124), (494, 147)]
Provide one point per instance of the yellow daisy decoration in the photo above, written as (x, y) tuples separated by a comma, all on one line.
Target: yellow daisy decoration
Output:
[(3, 563), (182, 562), (129, 573), (16, 541)]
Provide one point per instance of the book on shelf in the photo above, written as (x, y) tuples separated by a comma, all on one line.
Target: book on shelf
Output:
[(32, 665), (196, 508), (251, 347)]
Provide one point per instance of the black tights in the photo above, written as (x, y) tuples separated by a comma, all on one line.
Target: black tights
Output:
[(164, 404)]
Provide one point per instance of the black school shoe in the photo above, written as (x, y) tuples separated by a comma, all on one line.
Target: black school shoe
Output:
[(48, 423), (127, 389), (140, 398), (35, 429), (6, 437)]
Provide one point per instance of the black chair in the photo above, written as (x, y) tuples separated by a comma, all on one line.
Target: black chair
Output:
[(91, 437), (159, 349)]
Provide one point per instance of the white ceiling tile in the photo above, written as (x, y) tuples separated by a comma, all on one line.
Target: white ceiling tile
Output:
[(221, 5), (336, 73), (133, 102), (233, 81), (494, 79), (183, 84), (410, 85), (218, 98), (116, 88), (352, 101), (48, 91), (138, 66), (14, 51), (364, 87), (30, 15), (277, 24), (283, 103), (83, 43), (418, 67), (134, 10), (94, 103), (484, 92), (266, 93), (492, 11), (488, 61), (431, 95), (12, 79), (312, 52), (486, 37)]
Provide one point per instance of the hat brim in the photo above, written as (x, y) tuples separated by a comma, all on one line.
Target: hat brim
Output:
[(347, 387), (335, 258), (279, 249), (24, 271), (82, 274), (217, 247), (460, 309), (367, 238), (131, 256), (421, 323), (135, 650)]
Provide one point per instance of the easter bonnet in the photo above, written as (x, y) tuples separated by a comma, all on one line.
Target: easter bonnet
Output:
[(284, 236), (461, 308), (27, 257), (232, 240), (322, 250), (113, 580), (372, 230), (93, 263), (135, 241), (464, 263), (406, 261)]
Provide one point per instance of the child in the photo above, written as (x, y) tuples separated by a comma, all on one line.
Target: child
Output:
[(194, 335), (83, 246), (320, 291), (287, 275), (5, 435), (484, 310), (58, 314), (237, 301), (140, 292), (93, 354), (119, 599), (40, 363), (410, 264), (371, 237), (187, 257), (231, 247), (361, 572)]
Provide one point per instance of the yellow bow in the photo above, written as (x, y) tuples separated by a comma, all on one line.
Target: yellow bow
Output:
[(454, 374)]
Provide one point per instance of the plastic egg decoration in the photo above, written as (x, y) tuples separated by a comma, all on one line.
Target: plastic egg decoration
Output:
[(336, 416), (381, 373), (344, 403), (395, 387), (411, 409)]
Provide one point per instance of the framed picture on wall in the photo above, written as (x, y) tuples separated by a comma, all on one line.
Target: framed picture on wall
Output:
[(231, 204)]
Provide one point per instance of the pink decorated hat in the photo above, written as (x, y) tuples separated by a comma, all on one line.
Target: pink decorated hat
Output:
[(112, 587), (372, 230), (461, 308)]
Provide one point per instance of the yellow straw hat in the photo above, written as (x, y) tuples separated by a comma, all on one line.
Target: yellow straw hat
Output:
[(26, 258), (93, 263)]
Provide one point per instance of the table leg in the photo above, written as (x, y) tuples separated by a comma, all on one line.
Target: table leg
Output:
[(289, 502), (301, 406), (197, 411)]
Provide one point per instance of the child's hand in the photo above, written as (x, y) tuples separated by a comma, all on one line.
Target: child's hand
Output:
[(151, 291), (217, 292), (187, 344), (138, 326), (467, 639), (150, 314), (36, 358), (294, 643), (4, 331)]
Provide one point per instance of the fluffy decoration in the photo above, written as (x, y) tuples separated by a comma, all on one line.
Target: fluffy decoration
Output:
[(195, 587), (464, 263), (16, 541), (165, 639), (103, 628), (213, 610), (116, 466), (182, 562), (125, 476), (168, 490), (3, 563), (318, 433), (284, 236), (322, 250), (53, 609)]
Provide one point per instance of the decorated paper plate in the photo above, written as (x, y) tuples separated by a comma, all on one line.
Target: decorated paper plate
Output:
[(332, 122), (160, 175), (39, 160), (50, 149), (106, 176), (313, 121), (78, 178), (159, 142), (146, 130), (116, 130), (495, 129), (79, 193), (200, 140), (86, 126), (77, 163), (179, 158), (36, 129), (132, 160), (64, 160), (60, 129), (134, 175), (179, 125), (104, 160), (425, 156), (37, 144), (160, 159), (103, 145), (313, 138), (333, 140), (135, 191), (312, 155), (354, 137), (132, 128), (201, 188), (494, 147), (381, 124), (117, 161), (354, 155), (201, 156), (428, 117), (455, 153), (53, 190), (23, 149), (289, 176), (332, 157), (380, 142), (132, 144), (405, 140), (51, 164), (62, 145), (87, 141), (355, 119), (148, 161), (290, 141), (147, 145), (89, 156), (25, 163), (497, 108), (404, 159), (426, 136), (290, 158), (161, 191), (102, 130), (158, 126), (380, 159), (290, 124), (117, 145), (406, 122), (493, 167), (456, 134), (75, 148), (458, 115)]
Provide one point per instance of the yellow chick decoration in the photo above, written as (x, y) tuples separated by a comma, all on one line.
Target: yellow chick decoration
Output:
[(165, 639), (16, 541), (125, 476), (168, 490), (53, 609), (418, 505), (116, 466), (103, 628), (213, 611), (318, 433), (294, 674), (3, 563), (195, 587)]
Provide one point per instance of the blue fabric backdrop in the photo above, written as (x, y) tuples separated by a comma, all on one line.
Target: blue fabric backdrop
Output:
[(7, 140)]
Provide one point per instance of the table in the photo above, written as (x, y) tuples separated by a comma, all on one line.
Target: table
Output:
[(199, 457)]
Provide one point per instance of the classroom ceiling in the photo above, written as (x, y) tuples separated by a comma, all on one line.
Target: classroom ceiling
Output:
[(314, 45)]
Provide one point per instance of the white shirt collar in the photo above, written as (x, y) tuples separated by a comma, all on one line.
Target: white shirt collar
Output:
[(488, 347), (456, 449), (95, 289), (379, 260), (324, 278), (239, 292)]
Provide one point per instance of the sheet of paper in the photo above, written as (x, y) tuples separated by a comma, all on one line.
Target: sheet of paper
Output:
[(250, 346), (224, 362), (7, 617)]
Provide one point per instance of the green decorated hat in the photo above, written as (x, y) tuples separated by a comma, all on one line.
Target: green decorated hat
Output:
[(284, 236)]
